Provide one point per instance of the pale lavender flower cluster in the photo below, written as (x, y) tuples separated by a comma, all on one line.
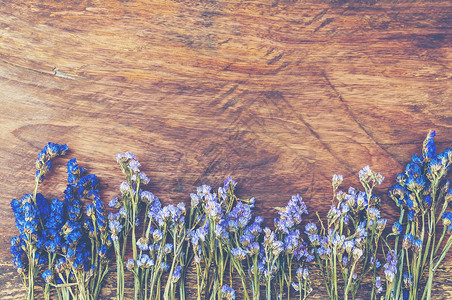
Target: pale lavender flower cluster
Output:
[(390, 267), (227, 227), (291, 215), (159, 248), (350, 242), (367, 175)]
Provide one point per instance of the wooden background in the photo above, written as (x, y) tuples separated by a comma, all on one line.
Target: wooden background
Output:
[(279, 94)]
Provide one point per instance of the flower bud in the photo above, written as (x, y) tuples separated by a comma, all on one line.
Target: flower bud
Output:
[(130, 264), (337, 180), (357, 253)]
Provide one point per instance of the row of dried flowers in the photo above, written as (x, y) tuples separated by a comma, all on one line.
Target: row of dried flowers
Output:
[(220, 237)]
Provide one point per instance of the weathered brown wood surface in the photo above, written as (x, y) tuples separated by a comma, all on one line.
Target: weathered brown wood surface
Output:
[(279, 94)]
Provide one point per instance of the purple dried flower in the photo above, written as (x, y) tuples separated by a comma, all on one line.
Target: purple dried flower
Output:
[(176, 274), (291, 215), (378, 285), (145, 261), (246, 239), (214, 210), (143, 244), (130, 264), (291, 241), (260, 219), (124, 188), (113, 202), (357, 254), (374, 213), (390, 266), (115, 228), (253, 248), (147, 197), (239, 253), (348, 246), (337, 180), (253, 229), (134, 165), (157, 235)]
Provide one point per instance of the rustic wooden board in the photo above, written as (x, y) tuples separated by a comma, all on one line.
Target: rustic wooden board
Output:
[(279, 94)]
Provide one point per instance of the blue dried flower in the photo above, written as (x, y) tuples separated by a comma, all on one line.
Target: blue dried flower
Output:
[(176, 274), (246, 239), (374, 213), (324, 252), (416, 184), (143, 244), (143, 178), (102, 251), (157, 235), (397, 228), (253, 248), (42, 206), (417, 245), (48, 276), (168, 248), (337, 180), (164, 267), (195, 199), (429, 148), (214, 210), (378, 285), (229, 182), (407, 240), (241, 214), (361, 200), (239, 253), (413, 170), (124, 188), (447, 219), (254, 229), (408, 280), (43, 163), (90, 208), (361, 230), (17, 245), (345, 261), (130, 264), (227, 292), (314, 239), (145, 261), (398, 193)]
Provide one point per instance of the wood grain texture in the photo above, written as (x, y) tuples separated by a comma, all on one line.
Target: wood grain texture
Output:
[(279, 94)]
